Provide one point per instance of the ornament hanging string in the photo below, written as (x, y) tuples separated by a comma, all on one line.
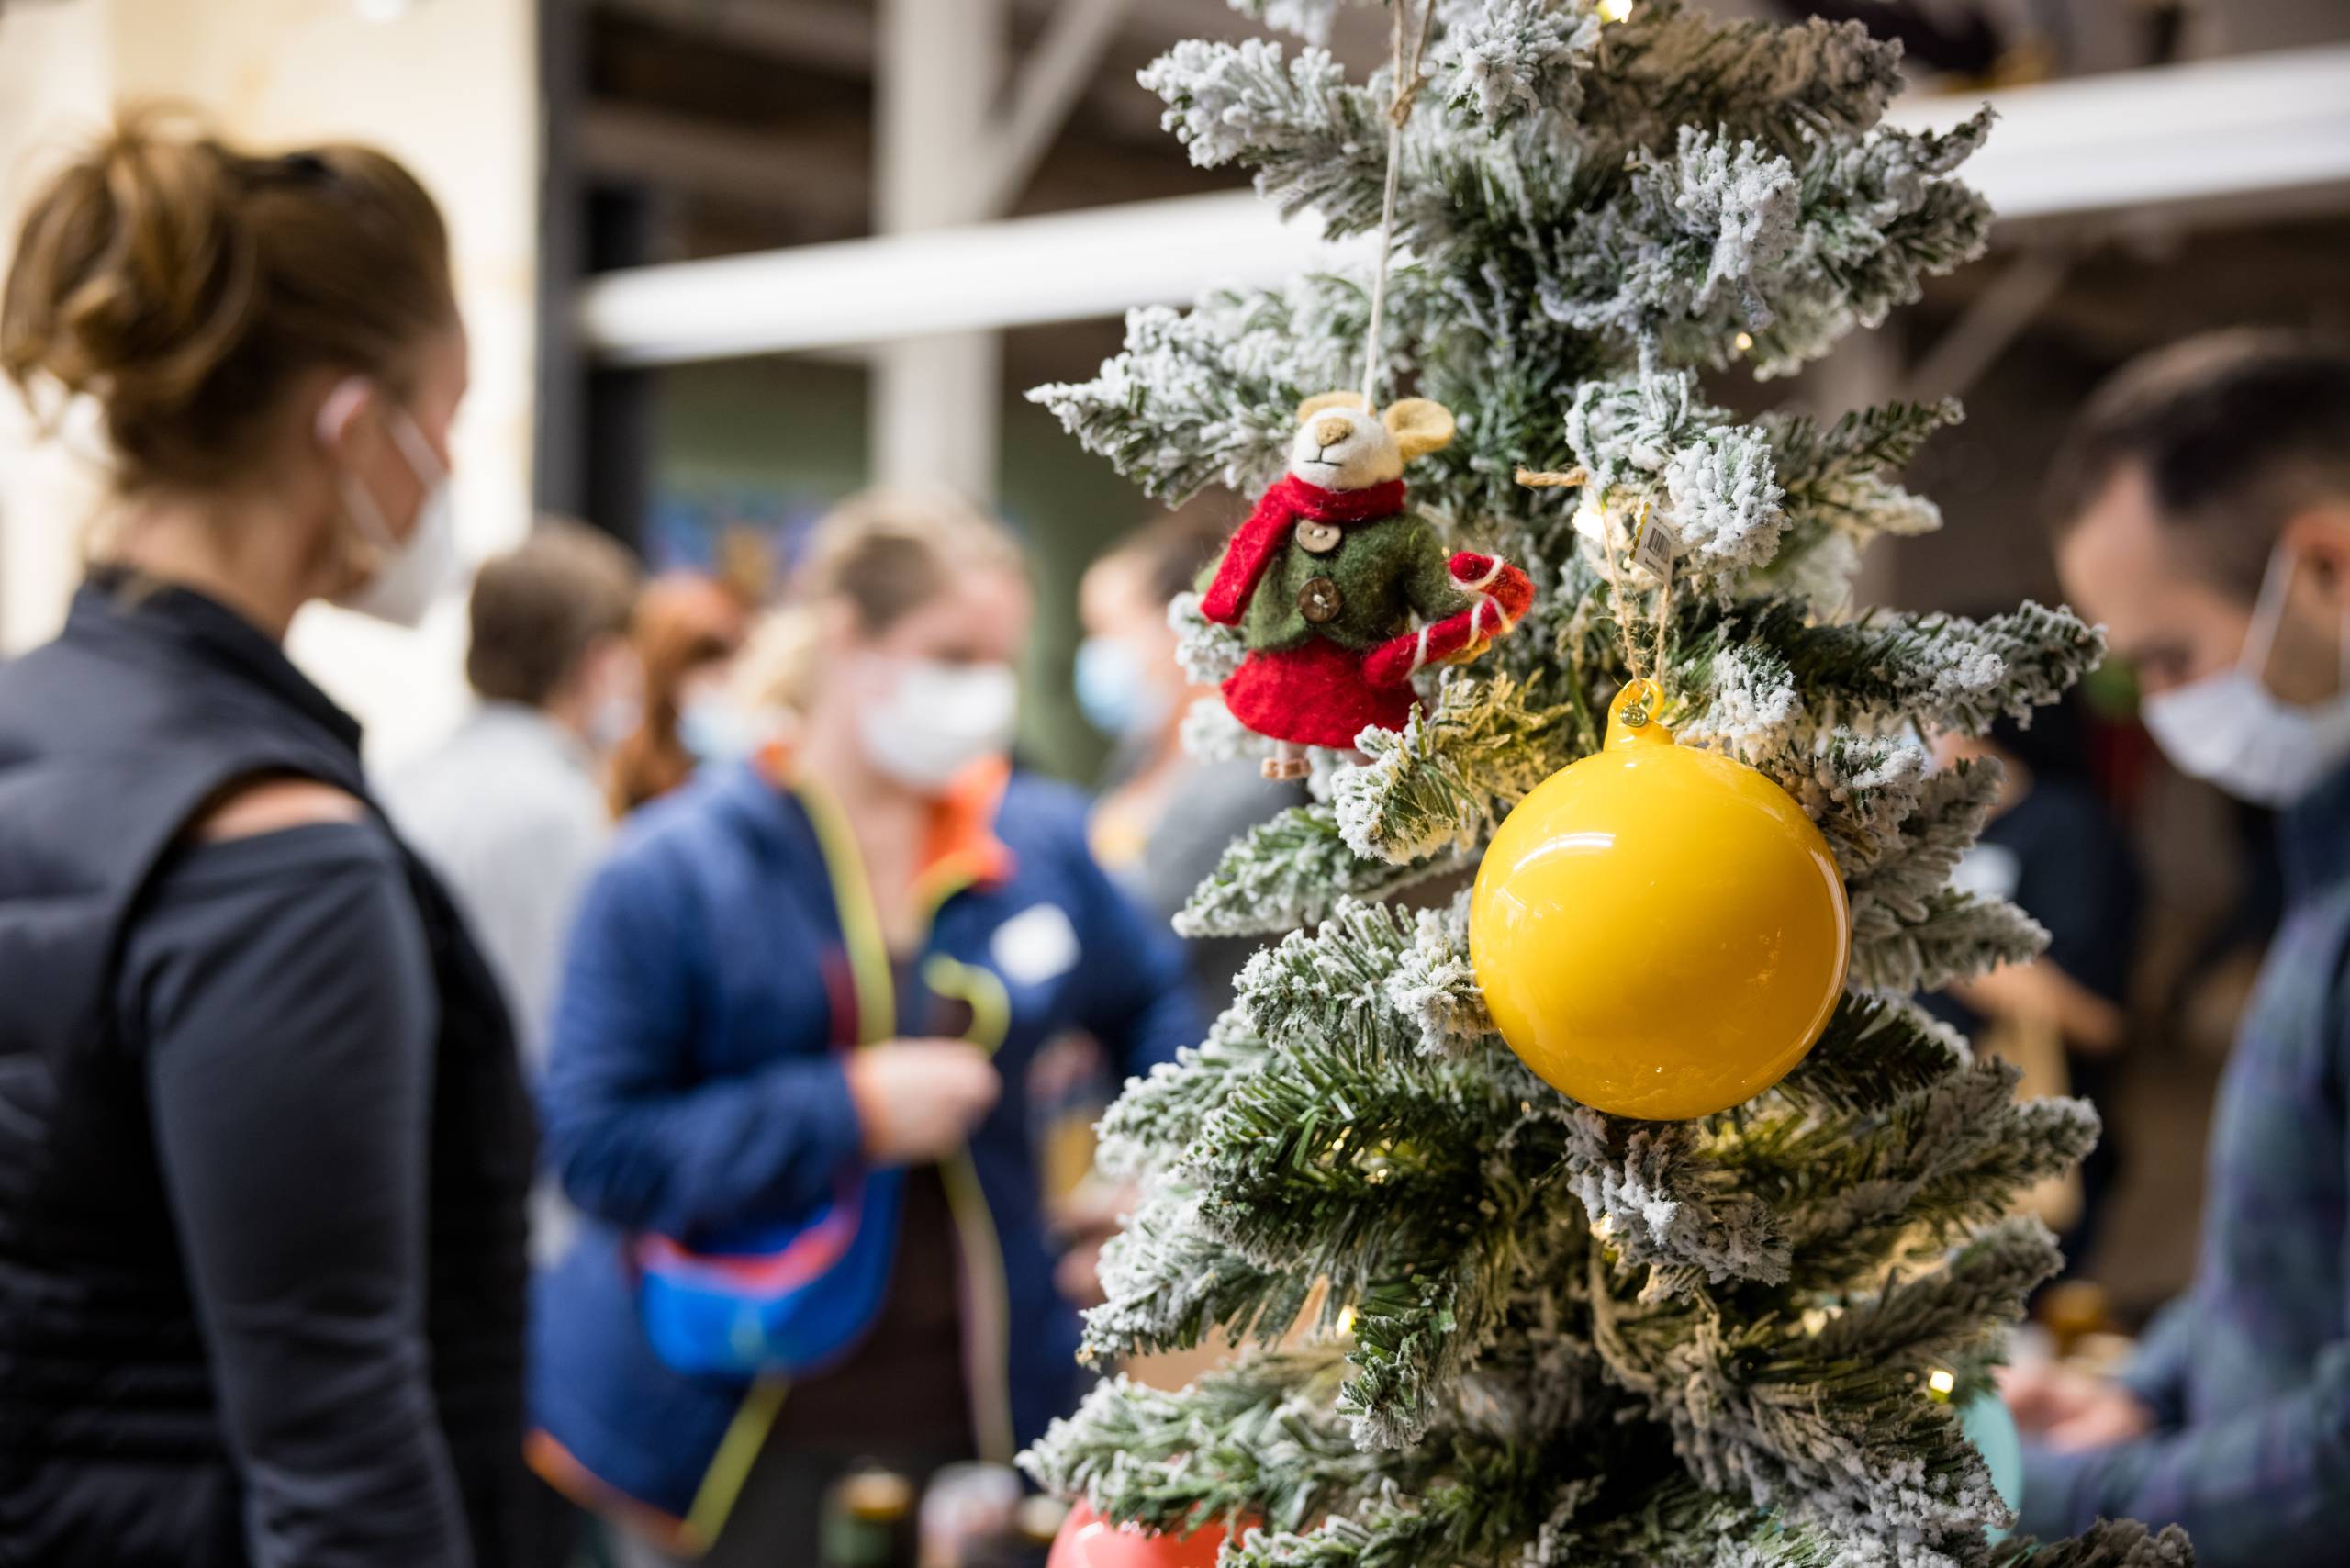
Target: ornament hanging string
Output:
[(1405, 70), (1648, 666)]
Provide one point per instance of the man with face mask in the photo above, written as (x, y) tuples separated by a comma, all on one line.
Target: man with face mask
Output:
[(510, 809), (2202, 511)]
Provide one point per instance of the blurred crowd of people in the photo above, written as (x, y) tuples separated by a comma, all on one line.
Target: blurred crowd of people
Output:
[(749, 912)]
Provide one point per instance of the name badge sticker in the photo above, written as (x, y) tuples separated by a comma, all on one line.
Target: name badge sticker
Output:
[(1035, 945)]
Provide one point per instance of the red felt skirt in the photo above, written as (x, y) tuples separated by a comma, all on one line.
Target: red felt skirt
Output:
[(1313, 694)]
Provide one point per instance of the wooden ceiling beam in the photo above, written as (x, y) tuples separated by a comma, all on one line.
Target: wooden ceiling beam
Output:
[(819, 176), (839, 40), (819, 34)]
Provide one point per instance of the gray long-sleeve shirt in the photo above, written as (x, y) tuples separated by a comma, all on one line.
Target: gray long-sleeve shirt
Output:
[(507, 813)]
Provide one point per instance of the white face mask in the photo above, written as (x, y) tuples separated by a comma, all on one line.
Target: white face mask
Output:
[(612, 719), (1115, 690), (2231, 730), (616, 704), (716, 729), (938, 719), (409, 573)]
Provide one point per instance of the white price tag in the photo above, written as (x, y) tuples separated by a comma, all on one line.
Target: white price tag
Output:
[(1655, 547)]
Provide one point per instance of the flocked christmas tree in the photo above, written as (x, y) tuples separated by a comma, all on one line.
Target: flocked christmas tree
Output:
[(1537, 1333)]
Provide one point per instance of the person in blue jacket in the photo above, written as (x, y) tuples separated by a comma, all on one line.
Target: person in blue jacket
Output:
[(794, 1022)]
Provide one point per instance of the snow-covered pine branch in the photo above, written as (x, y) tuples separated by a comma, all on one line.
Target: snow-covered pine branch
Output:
[(1955, 934), (1444, 781), (1890, 671), (1209, 395), (1291, 871)]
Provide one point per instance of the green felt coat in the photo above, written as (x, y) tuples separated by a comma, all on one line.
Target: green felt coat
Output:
[(1385, 571)]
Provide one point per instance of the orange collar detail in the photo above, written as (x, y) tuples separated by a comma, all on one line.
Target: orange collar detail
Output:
[(962, 825), (961, 849)]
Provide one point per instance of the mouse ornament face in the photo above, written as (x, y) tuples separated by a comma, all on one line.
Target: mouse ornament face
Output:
[(1340, 446), (1340, 595)]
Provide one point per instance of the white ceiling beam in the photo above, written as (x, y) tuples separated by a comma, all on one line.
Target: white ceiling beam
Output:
[(2160, 138), (2177, 140), (936, 399), (1063, 267), (770, 170)]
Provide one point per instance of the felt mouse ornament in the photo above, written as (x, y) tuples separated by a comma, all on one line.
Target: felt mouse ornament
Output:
[(1326, 578)]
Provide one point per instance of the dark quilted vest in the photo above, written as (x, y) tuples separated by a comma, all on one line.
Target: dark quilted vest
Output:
[(111, 738)]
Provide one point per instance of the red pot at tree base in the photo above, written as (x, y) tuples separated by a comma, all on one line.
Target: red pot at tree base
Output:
[(1089, 1540)]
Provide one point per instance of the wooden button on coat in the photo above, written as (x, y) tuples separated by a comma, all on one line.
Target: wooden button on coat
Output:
[(1319, 538), (1318, 600)]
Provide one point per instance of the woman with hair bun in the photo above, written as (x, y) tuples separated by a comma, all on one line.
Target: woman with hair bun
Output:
[(263, 1147)]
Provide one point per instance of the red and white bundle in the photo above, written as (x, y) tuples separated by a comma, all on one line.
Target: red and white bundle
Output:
[(1500, 594)]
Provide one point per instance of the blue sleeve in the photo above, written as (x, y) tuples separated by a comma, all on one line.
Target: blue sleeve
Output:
[(2156, 1371), (2268, 1486), (635, 1134), (285, 1000), (1136, 992)]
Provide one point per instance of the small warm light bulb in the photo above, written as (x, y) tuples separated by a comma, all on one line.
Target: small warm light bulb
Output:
[(1814, 1320), (1614, 10), (1745, 342), (1941, 1380), (1591, 520), (1346, 1320)]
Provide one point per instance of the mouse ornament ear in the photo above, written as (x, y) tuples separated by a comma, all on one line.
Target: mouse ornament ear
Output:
[(1321, 400), (1418, 425)]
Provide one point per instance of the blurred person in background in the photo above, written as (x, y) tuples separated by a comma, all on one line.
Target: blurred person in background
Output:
[(511, 810), (1161, 821), (2053, 848), (813, 972), (2202, 507), (765, 683), (263, 1169), (1164, 818), (688, 628)]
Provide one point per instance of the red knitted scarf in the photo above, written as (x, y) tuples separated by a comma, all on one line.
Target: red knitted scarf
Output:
[(1258, 540)]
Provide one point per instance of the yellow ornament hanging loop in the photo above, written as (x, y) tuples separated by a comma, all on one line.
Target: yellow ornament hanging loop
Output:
[(1659, 930), (1628, 715)]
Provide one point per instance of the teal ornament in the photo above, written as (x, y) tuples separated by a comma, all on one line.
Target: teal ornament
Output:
[(1987, 1426)]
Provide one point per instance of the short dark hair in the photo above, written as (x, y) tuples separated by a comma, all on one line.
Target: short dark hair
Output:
[(2234, 430), (538, 608)]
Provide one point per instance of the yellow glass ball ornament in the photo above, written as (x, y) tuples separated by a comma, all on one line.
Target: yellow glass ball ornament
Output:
[(1659, 930)]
